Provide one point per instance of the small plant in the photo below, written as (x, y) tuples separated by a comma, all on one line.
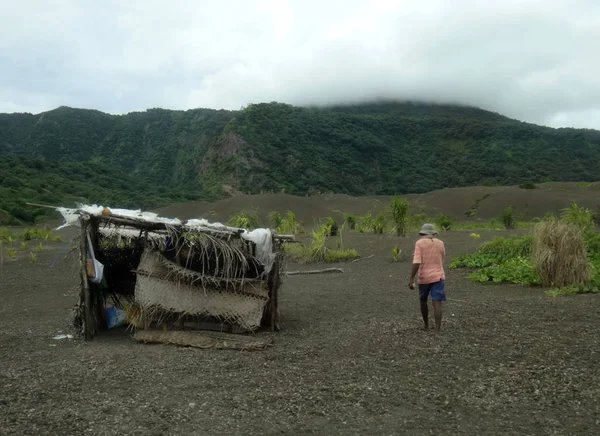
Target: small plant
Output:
[(39, 247), (32, 258), (399, 213), (366, 223), (10, 240), (329, 225), (379, 224), (396, 253), (475, 236), (23, 246), (350, 220), (508, 218), (11, 253), (275, 220), (443, 222), (245, 220), (579, 216)]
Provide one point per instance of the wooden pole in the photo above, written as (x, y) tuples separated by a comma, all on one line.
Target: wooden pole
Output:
[(85, 287), (274, 286), (315, 271)]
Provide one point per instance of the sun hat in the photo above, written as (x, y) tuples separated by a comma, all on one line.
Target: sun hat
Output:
[(428, 229)]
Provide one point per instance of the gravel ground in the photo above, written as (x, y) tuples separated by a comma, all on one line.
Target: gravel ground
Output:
[(352, 359)]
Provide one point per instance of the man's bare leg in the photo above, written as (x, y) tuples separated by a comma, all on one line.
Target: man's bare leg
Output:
[(437, 312), (425, 312)]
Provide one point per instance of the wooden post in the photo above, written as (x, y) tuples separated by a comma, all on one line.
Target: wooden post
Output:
[(85, 287), (273, 293)]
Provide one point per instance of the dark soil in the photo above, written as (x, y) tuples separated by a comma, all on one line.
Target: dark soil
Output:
[(352, 359)]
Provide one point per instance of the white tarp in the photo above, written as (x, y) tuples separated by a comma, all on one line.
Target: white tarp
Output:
[(261, 237)]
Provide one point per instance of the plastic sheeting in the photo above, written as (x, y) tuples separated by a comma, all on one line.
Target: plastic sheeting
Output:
[(261, 237)]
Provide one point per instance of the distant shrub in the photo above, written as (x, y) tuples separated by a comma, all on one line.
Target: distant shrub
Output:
[(350, 221), (246, 219), (579, 216), (508, 218), (366, 223), (399, 213), (318, 251), (528, 185), (443, 222), (329, 226), (379, 224), (285, 224)]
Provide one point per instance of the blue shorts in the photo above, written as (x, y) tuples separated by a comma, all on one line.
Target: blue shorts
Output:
[(436, 289)]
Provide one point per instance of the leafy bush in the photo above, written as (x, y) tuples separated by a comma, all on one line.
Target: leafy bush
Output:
[(443, 222), (329, 226), (366, 223), (246, 219), (571, 290), (501, 260), (379, 224), (275, 220), (399, 213), (285, 224), (518, 270), (350, 220), (508, 218), (318, 251), (579, 216)]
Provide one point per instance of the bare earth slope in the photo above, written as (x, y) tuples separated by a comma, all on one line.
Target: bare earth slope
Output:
[(455, 202), (351, 359)]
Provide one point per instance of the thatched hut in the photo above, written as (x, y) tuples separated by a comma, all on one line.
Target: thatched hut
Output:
[(174, 274)]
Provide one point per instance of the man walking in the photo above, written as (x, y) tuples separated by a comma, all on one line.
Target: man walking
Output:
[(428, 261)]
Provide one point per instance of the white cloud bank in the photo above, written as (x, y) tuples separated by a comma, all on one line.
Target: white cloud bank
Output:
[(532, 60)]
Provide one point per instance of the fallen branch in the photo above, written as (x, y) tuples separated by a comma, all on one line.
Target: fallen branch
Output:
[(362, 258), (315, 271)]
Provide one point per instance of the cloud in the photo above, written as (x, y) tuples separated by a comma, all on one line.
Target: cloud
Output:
[(528, 59)]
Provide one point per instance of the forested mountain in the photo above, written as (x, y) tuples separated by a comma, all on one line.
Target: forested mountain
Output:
[(157, 156)]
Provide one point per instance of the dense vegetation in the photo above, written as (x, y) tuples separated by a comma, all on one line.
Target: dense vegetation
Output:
[(148, 158), (561, 253)]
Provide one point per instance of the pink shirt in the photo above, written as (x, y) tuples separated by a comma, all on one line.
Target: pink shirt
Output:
[(430, 254)]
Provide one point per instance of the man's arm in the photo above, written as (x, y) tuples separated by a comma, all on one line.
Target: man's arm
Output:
[(413, 273)]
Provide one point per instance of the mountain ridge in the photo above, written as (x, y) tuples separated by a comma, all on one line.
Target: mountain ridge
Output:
[(378, 148)]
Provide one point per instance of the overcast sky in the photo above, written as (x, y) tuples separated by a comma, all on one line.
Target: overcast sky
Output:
[(538, 61)]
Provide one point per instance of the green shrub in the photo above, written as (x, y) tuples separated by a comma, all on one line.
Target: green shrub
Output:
[(399, 213), (329, 226), (518, 270), (318, 251), (285, 224), (396, 253), (366, 223), (350, 220), (579, 216), (508, 218), (379, 224), (443, 222), (246, 219), (275, 220)]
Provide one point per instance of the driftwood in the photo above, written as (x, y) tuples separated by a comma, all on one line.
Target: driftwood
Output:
[(363, 258), (315, 271)]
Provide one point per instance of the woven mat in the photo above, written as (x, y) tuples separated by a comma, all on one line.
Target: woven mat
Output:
[(217, 340)]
